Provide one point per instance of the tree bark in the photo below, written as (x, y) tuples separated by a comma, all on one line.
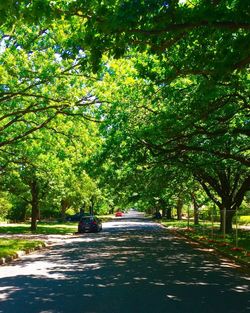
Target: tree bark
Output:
[(169, 213), (34, 204), (226, 189), (164, 210), (91, 208), (196, 209), (226, 220), (64, 207), (179, 207)]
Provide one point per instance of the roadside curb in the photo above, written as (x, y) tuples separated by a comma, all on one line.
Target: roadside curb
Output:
[(17, 255), (215, 250)]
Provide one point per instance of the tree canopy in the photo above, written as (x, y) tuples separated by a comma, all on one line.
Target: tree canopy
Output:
[(165, 82)]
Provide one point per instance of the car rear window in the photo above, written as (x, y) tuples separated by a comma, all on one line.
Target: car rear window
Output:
[(87, 219)]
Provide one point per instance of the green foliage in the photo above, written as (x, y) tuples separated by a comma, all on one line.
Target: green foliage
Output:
[(244, 220), (173, 111), (19, 212), (43, 228), (53, 164), (157, 135), (5, 205)]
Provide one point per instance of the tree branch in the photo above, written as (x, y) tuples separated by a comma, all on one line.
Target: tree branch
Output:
[(229, 25)]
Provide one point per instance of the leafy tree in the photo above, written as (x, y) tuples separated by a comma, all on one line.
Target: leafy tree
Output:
[(5, 205), (180, 99), (208, 36), (45, 102), (177, 127), (47, 170), (37, 84)]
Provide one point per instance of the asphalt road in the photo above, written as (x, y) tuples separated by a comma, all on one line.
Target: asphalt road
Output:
[(132, 266)]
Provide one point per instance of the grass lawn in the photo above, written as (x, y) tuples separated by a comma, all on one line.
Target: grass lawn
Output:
[(9, 247), (235, 246), (46, 228), (42, 228)]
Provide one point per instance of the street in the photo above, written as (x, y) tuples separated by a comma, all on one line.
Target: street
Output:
[(132, 266)]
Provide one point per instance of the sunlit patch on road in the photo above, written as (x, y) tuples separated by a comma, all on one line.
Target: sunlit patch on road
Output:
[(172, 297), (6, 291)]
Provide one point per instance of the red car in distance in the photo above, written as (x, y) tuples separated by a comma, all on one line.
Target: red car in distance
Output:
[(118, 214)]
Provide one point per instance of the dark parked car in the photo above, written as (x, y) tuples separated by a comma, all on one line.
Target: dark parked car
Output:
[(157, 215), (90, 224)]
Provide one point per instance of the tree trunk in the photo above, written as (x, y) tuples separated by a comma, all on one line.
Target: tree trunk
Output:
[(163, 211), (169, 213), (196, 209), (164, 206), (34, 205), (91, 208), (179, 209), (64, 207), (227, 217), (111, 211), (226, 189)]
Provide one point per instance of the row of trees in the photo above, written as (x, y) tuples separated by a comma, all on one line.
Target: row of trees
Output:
[(46, 175), (175, 139), (181, 120), (46, 128), (171, 108)]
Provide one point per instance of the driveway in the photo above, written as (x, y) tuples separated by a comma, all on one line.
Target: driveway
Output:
[(132, 266)]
